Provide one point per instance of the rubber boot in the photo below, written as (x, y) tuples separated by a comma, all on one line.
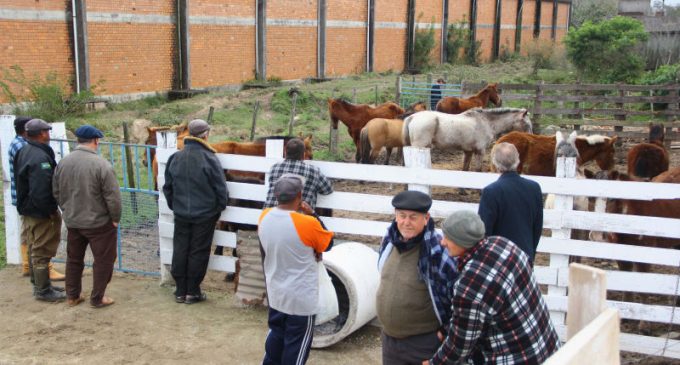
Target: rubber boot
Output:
[(55, 275), (43, 286), (25, 270)]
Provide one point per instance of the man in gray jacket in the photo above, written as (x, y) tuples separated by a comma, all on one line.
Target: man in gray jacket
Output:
[(88, 193)]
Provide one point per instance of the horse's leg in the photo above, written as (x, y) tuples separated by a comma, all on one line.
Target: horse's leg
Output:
[(388, 153), (479, 155), (357, 143), (466, 160)]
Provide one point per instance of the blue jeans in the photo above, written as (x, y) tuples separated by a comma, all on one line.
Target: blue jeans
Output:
[(289, 339)]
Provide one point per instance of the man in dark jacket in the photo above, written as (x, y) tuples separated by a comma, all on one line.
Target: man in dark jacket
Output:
[(196, 191), (512, 206), (33, 169)]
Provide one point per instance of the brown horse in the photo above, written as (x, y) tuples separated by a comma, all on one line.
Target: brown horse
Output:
[(647, 160), (536, 152), (355, 116), (453, 105), (181, 129)]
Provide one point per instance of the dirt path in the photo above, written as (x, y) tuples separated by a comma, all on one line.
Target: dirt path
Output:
[(145, 326)]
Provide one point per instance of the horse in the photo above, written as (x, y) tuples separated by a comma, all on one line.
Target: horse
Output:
[(536, 152), (647, 160), (471, 131), (355, 116), (380, 132), (181, 129), (453, 105)]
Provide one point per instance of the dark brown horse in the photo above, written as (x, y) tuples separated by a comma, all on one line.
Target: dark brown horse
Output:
[(355, 116), (647, 160), (536, 152), (453, 105)]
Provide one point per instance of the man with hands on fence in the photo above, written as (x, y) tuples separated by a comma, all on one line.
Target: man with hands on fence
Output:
[(87, 190)]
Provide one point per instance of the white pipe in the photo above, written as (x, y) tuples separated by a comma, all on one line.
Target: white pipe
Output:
[(75, 44), (355, 265)]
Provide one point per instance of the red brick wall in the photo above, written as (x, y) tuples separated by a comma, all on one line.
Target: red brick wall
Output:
[(390, 43), (508, 20), (430, 12), (231, 8), (291, 50), (346, 47), (148, 7), (486, 16), (546, 20), (459, 9), (562, 21), (527, 25)]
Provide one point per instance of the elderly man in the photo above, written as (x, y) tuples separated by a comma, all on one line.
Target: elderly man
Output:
[(499, 316), (17, 143), (41, 221), (413, 302), (512, 206), (292, 238), (88, 193), (196, 191)]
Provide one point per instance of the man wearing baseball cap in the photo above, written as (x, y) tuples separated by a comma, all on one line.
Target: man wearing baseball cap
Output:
[(41, 221), (499, 316), (413, 301), (292, 238), (88, 193)]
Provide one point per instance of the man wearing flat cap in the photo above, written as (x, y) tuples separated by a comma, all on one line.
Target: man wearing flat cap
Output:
[(196, 191), (413, 302), (41, 221), (88, 193), (292, 238), (499, 316)]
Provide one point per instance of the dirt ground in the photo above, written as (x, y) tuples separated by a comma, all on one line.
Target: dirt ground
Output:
[(146, 326)]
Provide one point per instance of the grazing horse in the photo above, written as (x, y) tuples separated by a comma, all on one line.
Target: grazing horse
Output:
[(453, 105), (355, 116), (536, 152), (471, 131), (647, 160)]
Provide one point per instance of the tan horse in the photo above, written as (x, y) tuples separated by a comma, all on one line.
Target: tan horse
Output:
[(379, 133)]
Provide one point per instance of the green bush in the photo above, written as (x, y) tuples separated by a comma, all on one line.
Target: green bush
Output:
[(666, 74), (540, 54), (457, 37), (423, 46), (42, 97), (607, 51), (473, 52)]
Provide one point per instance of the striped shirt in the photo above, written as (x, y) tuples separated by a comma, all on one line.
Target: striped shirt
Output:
[(17, 143)]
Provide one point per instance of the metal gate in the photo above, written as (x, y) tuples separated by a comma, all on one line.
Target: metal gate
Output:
[(412, 91)]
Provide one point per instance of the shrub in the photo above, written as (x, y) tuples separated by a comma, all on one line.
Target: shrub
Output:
[(423, 46), (473, 52), (540, 54), (592, 10), (42, 97), (607, 51), (666, 74), (457, 37)]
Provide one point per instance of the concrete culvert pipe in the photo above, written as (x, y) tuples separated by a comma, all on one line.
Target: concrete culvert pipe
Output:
[(353, 267)]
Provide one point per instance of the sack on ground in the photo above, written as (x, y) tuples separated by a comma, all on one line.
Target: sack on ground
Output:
[(327, 308)]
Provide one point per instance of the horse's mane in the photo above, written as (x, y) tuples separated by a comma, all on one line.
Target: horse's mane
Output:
[(594, 139), (495, 110), (344, 101)]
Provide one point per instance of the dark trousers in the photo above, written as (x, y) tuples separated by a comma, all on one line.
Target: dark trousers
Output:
[(289, 339), (411, 350), (103, 244), (191, 253)]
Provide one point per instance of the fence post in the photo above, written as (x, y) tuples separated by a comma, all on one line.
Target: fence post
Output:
[(130, 168), (12, 225), (166, 146), (429, 86), (416, 157), (210, 114), (252, 126), (672, 107), (587, 296), (566, 168), (538, 105), (292, 114), (376, 95), (398, 92)]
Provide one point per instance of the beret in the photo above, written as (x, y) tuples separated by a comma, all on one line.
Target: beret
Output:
[(88, 132), (412, 200)]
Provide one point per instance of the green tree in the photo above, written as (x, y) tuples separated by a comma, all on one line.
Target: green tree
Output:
[(592, 10), (607, 51), (423, 46), (457, 36)]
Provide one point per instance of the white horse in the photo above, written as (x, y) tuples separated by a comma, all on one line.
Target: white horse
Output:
[(471, 131)]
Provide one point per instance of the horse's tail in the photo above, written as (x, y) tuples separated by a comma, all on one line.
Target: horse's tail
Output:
[(365, 146), (404, 132)]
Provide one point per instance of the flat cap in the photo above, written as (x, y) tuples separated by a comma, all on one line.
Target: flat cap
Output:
[(288, 186), (412, 200), (198, 126), (35, 125), (88, 132), (465, 228)]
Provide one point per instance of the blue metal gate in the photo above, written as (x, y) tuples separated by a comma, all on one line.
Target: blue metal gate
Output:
[(414, 91)]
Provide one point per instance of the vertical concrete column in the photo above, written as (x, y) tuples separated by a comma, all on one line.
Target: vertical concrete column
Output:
[(80, 56), (370, 35), (184, 79), (261, 39), (537, 19), (518, 26), (497, 31), (445, 31), (553, 33), (473, 21), (410, 33), (321, 40)]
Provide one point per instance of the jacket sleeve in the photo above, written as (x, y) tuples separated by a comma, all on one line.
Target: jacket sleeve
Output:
[(167, 187), (55, 185), (538, 220), (215, 173), (467, 323), (325, 186), (40, 173), (111, 193), (488, 211)]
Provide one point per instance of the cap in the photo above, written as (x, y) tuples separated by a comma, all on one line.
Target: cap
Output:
[(35, 125), (465, 228), (197, 127), (412, 200), (88, 132), (288, 186)]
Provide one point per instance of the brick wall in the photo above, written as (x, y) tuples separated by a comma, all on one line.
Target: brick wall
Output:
[(430, 12), (508, 25), (527, 25), (292, 49), (546, 20), (390, 36), (562, 20), (486, 16), (346, 40)]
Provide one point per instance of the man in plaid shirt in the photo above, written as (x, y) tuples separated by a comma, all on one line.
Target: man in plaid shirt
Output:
[(315, 181), (499, 316)]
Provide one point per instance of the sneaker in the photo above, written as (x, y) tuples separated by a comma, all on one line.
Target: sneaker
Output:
[(180, 299), (191, 299)]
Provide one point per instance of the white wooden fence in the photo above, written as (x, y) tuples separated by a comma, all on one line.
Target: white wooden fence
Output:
[(561, 220)]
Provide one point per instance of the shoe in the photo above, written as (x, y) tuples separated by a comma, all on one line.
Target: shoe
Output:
[(180, 299), (43, 287), (191, 299), (55, 275), (74, 302), (49, 295), (106, 301)]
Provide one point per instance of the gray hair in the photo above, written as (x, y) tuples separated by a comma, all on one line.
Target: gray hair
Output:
[(203, 135), (505, 157)]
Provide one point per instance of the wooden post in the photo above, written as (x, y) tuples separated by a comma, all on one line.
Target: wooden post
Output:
[(537, 105), (429, 94), (210, 114), (256, 107), (376, 95), (291, 122), (397, 97), (418, 158), (587, 297), (130, 170)]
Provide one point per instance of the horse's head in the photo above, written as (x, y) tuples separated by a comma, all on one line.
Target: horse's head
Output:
[(598, 148), (522, 123), (656, 133), (416, 107), (331, 106), (395, 109), (493, 94), (309, 153)]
